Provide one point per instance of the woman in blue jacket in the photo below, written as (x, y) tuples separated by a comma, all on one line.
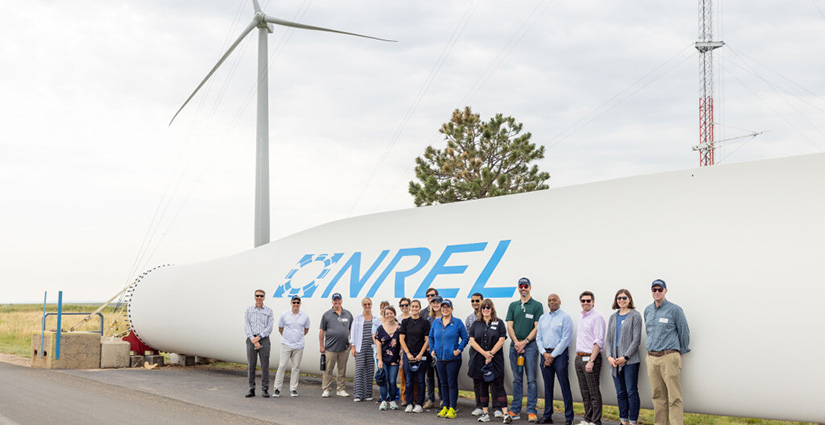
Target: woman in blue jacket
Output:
[(448, 337)]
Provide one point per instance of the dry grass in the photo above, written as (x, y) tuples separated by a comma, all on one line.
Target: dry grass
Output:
[(18, 321)]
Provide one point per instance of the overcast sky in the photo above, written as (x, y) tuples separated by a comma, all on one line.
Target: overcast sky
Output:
[(89, 166)]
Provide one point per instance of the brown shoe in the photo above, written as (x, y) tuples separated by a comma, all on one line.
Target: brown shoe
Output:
[(428, 404)]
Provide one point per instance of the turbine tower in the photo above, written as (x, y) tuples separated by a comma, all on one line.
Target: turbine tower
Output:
[(706, 46), (263, 23)]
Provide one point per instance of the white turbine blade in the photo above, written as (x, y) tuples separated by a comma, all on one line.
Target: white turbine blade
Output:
[(246, 31), (256, 5), (277, 21)]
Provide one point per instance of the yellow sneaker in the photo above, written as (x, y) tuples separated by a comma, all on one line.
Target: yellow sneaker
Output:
[(450, 414), (443, 412)]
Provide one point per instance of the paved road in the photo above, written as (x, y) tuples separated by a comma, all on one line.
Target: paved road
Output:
[(174, 395)]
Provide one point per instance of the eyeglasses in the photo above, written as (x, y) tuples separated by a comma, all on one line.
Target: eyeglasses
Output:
[(443, 306), (366, 305), (621, 298), (259, 296), (296, 302), (403, 305), (588, 301), (430, 295), (657, 289), (523, 286), (486, 307)]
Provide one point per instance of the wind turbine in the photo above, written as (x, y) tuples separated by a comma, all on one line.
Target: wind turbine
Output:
[(263, 23)]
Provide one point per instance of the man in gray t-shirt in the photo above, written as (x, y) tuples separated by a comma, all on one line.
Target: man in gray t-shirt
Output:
[(334, 342)]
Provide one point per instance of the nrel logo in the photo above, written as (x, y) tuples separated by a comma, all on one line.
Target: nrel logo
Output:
[(304, 281)]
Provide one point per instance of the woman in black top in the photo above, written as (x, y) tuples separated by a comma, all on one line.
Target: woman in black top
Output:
[(487, 337)]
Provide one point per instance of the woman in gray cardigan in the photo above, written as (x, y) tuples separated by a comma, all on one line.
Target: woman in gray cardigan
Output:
[(621, 346)]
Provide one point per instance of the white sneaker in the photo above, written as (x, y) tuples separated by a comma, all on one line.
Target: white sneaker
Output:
[(356, 400), (478, 412), (484, 417), (383, 406), (342, 393), (498, 414), (418, 409), (368, 399), (409, 408), (393, 405), (325, 394)]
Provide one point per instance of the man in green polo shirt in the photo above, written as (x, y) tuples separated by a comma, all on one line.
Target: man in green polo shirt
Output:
[(522, 319)]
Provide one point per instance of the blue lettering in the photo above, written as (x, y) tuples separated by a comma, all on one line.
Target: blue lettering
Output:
[(423, 255), (356, 281), (440, 267), (479, 286)]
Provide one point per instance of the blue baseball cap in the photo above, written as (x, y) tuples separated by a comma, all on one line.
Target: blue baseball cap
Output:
[(448, 303), (337, 296), (659, 282), (437, 299), (524, 281)]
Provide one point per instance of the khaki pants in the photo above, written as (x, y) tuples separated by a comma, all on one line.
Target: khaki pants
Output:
[(665, 382), (334, 358), (288, 355)]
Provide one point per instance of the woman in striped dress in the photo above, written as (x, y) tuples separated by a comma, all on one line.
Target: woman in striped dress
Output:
[(361, 335)]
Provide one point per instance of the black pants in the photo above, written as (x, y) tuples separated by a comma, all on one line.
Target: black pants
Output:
[(252, 358), (483, 389)]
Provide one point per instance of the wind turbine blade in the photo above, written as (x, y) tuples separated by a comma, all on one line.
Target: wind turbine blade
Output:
[(256, 5), (246, 31), (282, 22)]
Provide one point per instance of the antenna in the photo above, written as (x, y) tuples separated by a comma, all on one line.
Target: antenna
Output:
[(706, 46)]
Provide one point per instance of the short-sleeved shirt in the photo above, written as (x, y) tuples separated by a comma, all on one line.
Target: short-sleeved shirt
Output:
[(390, 346), (294, 329), (487, 335), (336, 329), (524, 316), (414, 331)]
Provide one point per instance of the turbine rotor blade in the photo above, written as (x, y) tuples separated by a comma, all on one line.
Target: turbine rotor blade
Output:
[(246, 31), (256, 5), (282, 22)]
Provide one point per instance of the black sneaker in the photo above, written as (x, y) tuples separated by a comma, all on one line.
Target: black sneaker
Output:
[(265, 394), (276, 393), (251, 393), (293, 393)]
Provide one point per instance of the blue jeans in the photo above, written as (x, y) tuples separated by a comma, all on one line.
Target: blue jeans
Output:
[(448, 374), (531, 361), (389, 390), (627, 392), (413, 377), (557, 369)]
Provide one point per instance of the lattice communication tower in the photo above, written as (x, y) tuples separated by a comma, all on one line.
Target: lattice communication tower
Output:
[(706, 46)]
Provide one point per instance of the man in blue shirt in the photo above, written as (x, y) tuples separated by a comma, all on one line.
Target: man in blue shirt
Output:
[(258, 322), (555, 330), (668, 337)]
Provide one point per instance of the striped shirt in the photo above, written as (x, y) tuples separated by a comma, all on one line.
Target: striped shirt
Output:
[(591, 331), (258, 321)]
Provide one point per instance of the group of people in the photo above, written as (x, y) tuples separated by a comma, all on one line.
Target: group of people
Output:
[(424, 346)]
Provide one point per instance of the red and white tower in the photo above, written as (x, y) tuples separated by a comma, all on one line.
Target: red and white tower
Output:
[(706, 46)]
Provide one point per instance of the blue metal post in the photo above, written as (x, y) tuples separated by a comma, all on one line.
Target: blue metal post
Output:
[(43, 326), (59, 313)]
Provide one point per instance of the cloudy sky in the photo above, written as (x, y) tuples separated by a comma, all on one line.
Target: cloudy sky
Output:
[(96, 186)]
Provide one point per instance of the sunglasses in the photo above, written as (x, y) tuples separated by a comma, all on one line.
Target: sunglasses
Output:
[(430, 295), (621, 298), (586, 301), (296, 302), (475, 301), (523, 286), (657, 289), (403, 305), (259, 296), (366, 305), (486, 307)]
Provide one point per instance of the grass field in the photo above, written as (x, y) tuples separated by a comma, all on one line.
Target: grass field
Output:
[(18, 321)]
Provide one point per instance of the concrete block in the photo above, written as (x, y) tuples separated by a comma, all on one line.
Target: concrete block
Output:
[(136, 361), (78, 350), (203, 360), (181, 359), (154, 359), (114, 352)]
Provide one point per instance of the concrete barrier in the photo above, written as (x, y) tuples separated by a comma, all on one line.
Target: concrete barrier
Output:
[(78, 350)]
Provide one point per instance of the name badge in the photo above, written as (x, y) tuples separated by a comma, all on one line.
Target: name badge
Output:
[(345, 320), (423, 358), (528, 316), (663, 320), (586, 359), (493, 327)]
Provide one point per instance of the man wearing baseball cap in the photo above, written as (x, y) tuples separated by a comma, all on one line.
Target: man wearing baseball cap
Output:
[(293, 325), (334, 341), (522, 319), (668, 337)]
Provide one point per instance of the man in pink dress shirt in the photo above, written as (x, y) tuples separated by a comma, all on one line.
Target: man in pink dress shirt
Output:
[(588, 363)]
